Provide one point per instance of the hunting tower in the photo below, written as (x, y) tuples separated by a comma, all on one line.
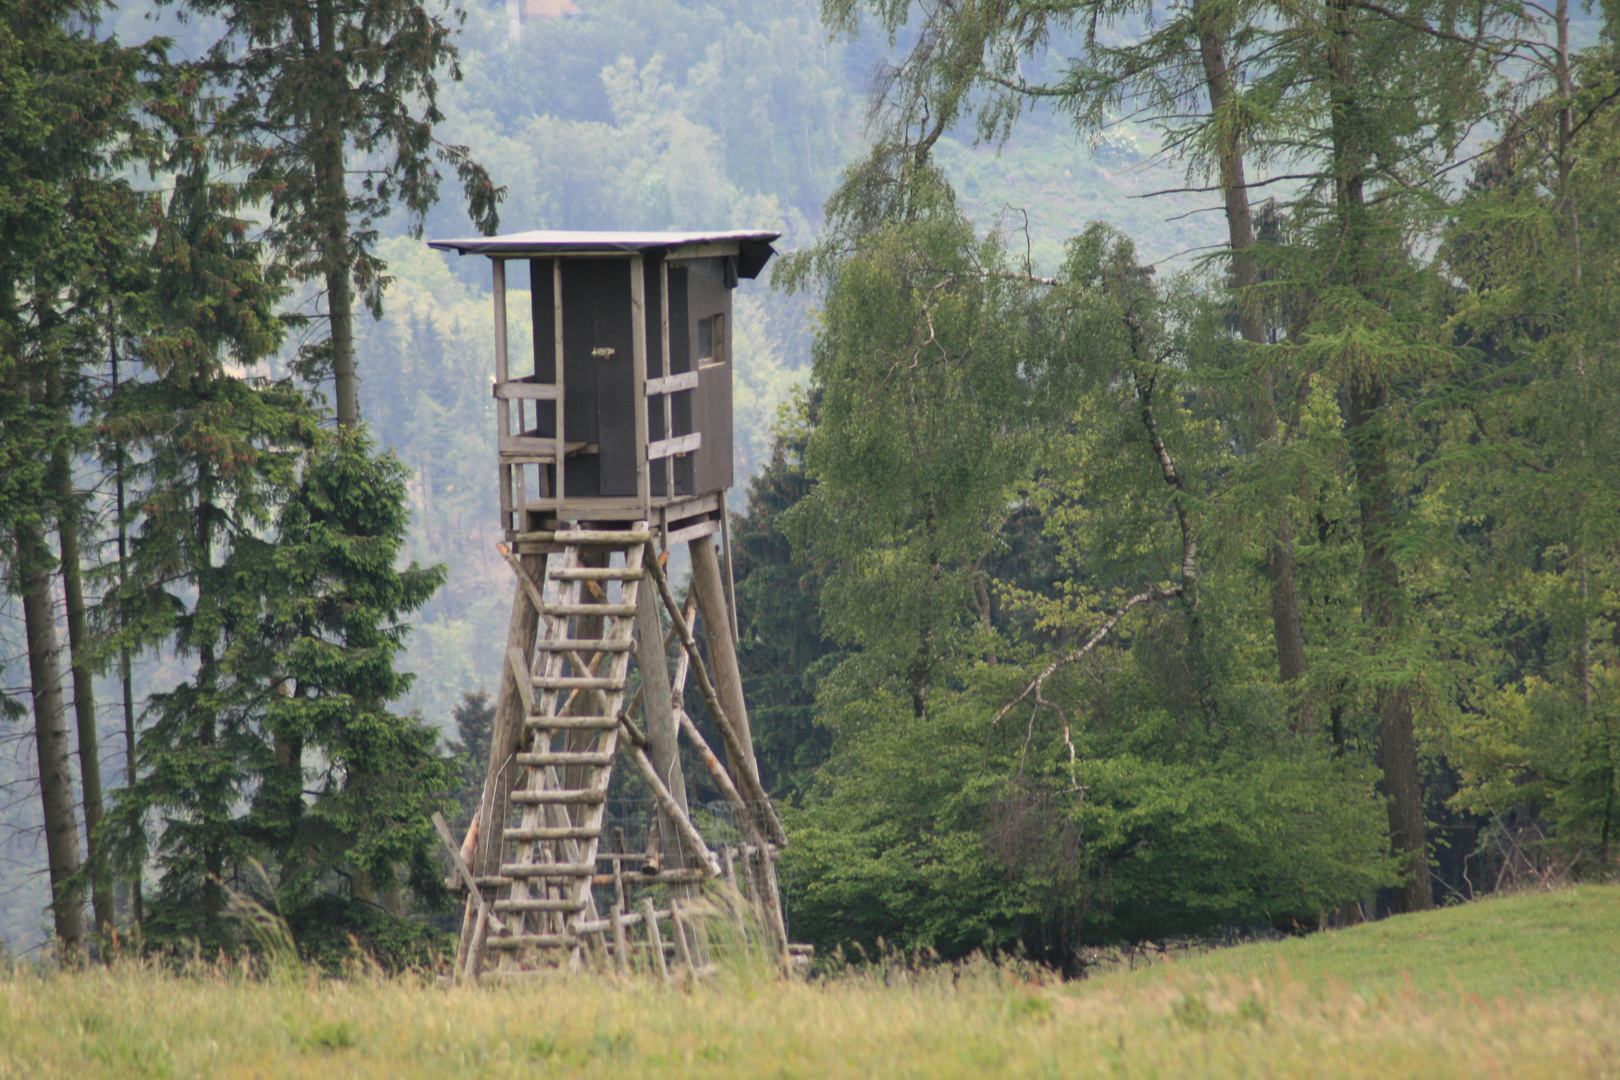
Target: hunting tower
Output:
[(613, 444)]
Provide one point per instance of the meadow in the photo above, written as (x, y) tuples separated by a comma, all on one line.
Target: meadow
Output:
[(1521, 986)]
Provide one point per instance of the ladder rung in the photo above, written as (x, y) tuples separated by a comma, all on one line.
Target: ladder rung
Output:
[(554, 797), (503, 906), (576, 682), (626, 538), (568, 832), (572, 723), (548, 869), (566, 757), (604, 610), (584, 645), (593, 573), (523, 941)]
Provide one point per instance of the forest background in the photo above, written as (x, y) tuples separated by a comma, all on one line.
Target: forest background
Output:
[(1169, 781)]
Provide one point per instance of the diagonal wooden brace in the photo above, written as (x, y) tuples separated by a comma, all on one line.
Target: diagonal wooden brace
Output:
[(747, 778), (666, 802), (465, 872)]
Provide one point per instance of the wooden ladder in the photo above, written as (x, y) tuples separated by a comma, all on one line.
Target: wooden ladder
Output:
[(572, 700)]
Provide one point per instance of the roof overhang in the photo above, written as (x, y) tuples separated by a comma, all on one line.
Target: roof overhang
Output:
[(752, 249)]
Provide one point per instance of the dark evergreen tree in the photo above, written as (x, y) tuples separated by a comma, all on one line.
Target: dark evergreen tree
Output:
[(781, 653), (327, 91), (334, 627), (475, 724), (68, 125)]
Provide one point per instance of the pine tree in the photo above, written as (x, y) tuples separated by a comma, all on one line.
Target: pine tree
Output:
[(68, 124), (216, 456), (335, 625), (782, 652), (326, 91)]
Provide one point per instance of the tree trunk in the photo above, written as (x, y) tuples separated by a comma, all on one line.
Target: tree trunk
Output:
[(125, 678), (1287, 632), (1403, 785), (51, 741), (333, 211), (84, 694), (1382, 605)]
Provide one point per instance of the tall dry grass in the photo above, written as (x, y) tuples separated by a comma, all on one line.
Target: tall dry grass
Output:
[(136, 1021), (1525, 987)]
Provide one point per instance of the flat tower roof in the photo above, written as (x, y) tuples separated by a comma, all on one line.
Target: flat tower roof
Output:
[(754, 248)]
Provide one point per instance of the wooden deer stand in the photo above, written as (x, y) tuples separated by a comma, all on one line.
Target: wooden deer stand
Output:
[(615, 445)]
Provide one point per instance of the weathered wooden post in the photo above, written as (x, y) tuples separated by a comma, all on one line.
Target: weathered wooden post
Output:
[(613, 445)]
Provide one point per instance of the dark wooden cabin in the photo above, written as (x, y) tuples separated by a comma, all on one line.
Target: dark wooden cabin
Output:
[(629, 387)]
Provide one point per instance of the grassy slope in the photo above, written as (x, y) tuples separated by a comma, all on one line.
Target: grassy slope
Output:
[(1236, 1014), (1533, 943)]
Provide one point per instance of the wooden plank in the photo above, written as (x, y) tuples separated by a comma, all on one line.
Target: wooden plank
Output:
[(541, 833), (680, 444), (575, 682), (524, 941), (539, 905), (498, 270), (746, 777), (672, 384), (552, 869), (595, 536), (462, 869), (725, 551), (560, 489), (585, 645), (683, 947), (521, 677), (539, 448), (604, 610), (669, 375), (555, 798), (638, 316), (594, 573), (710, 590), (573, 723), (524, 391), (526, 582), (715, 250), (649, 918), (692, 532), (503, 415), (683, 824), (663, 738)]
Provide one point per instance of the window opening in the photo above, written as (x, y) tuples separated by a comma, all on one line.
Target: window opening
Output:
[(712, 340)]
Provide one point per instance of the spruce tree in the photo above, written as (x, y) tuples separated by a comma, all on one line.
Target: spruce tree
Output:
[(68, 125), (333, 628), (326, 92)]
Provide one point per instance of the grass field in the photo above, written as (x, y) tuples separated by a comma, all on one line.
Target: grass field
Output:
[(1525, 986)]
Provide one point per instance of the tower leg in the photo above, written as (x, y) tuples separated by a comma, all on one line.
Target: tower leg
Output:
[(505, 738), (657, 705), (710, 591), (709, 587)]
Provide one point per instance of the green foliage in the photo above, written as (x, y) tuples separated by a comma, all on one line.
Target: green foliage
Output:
[(307, 78), (782, 653), (1162, 793), (335, 621), (475, 724)]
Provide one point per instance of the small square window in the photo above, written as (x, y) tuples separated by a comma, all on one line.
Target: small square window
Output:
[(712, 340)]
